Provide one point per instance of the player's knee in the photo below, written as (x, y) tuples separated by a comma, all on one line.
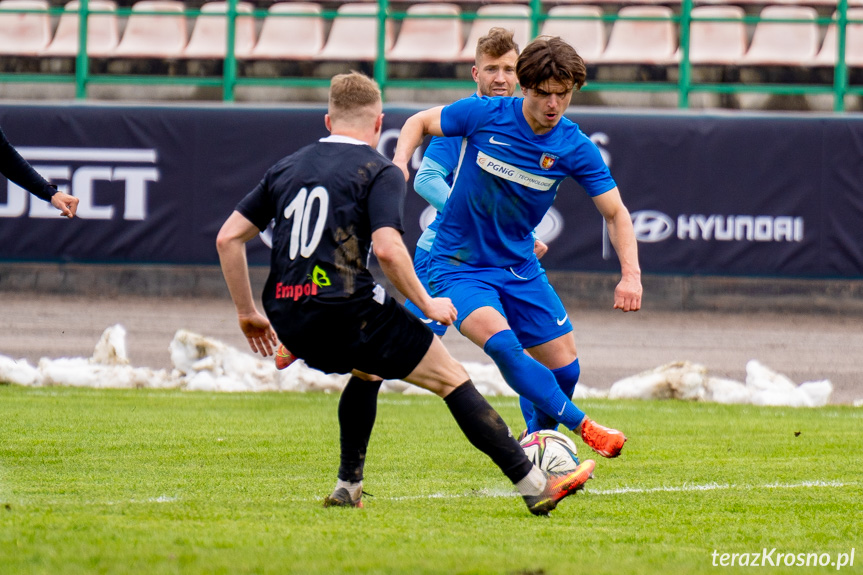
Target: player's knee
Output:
[(503, 345)]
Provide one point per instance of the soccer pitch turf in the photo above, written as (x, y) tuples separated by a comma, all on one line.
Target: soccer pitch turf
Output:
[(151, 482)]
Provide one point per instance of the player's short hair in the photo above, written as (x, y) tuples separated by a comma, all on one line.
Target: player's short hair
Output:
[(351, 95), (550, 58), (496, 43)]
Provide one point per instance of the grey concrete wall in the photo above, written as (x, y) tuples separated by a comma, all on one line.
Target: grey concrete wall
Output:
[(671, 293)]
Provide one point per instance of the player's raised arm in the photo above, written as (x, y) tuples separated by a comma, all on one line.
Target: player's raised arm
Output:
[(397, 265), (231, 245), (415, 129), (627, 294)]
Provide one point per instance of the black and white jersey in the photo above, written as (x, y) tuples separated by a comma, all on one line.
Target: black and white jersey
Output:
[(326, 199)]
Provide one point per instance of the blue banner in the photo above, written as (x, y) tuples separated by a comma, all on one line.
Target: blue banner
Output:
[(725, 194)]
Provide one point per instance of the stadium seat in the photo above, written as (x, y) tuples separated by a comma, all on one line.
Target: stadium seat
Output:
[(209, 35), (290, 37), (353, 37), (102, 30), (853, 43), (150, 35), (429, 39), (717, 42), (586, 36), (642, 41), (518, 21), (24, 34), (783, 43)]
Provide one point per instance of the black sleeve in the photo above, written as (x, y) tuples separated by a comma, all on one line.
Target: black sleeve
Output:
[(16, 168), (387, 199), (256, 206)]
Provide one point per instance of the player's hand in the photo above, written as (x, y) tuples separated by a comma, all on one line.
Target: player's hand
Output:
[(442, 310), (262, 339), (627, 294), (403, 166), (67, 204), (539, 248)]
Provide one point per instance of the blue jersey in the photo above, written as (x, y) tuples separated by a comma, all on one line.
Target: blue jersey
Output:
[(506, 179), (445, 152)]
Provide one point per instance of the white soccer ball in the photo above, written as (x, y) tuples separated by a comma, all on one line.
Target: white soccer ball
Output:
[(551, 451)]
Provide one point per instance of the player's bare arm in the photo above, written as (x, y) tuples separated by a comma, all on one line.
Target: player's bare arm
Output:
[(411, 137), (68, 205), (231, 244), (397, 265), (627, 294)]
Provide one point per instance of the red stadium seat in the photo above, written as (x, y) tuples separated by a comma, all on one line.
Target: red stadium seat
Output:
[(429, 39), (149, 35), (517, 19), (209, 36), (353, 37), (642, 41), (783, 43), (290, 37), (586, 36), (24, 34), (102, 30)]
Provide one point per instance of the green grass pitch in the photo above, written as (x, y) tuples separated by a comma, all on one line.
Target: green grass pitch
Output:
[(152, 482)]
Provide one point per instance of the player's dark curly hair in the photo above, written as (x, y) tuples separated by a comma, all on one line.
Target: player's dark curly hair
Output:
[(550, 58), (496, 43)]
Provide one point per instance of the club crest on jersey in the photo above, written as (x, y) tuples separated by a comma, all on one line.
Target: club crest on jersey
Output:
[(546, 161)]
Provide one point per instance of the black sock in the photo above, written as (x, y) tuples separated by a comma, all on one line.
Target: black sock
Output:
[(358, 407), (487, 431)]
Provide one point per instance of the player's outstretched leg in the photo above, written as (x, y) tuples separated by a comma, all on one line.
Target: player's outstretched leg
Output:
[(559, 486), (604, 440), (488, 432), (536, 382)]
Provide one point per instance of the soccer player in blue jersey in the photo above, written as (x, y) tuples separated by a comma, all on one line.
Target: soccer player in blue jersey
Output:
[(331, 200), (515, 153), (494, 74)]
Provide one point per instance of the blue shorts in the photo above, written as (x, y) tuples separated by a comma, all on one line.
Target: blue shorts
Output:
[(421, 267), (522, 295)]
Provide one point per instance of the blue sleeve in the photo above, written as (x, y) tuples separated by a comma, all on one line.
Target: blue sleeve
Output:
[(589, 169), (465, 116), (445, 152), (430, 183)]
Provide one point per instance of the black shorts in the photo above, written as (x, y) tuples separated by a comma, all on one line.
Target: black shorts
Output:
[(383, 339)]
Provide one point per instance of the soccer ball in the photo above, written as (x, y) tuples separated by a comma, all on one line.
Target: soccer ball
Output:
[(551, 451)]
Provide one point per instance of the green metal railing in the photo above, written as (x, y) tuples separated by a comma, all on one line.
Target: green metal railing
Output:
[(230, 79)]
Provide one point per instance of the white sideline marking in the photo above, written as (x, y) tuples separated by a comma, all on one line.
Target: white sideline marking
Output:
[(629, 490), (713, 487)]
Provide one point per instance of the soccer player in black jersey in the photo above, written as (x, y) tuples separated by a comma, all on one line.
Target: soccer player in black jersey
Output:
[(331, 200), (16, 168)]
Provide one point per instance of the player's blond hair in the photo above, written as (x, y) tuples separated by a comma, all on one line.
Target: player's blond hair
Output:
[(496, 43), (354, 98)]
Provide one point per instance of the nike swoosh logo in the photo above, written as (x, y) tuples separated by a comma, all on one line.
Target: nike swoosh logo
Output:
[(562, 321), (497, 143), (426, 320), (559, 413)]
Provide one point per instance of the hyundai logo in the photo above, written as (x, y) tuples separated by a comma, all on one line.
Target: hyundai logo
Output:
[(652, 226)]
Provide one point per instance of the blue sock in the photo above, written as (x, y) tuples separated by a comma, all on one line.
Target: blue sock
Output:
[(567, 378), (531, 379), (527, 411)]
